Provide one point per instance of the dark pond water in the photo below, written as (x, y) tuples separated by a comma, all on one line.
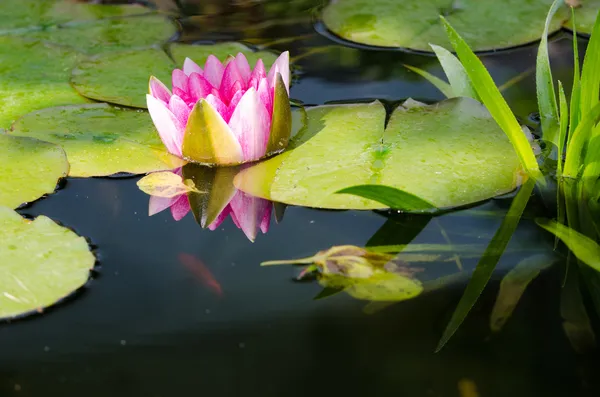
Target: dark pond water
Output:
[(148, 325)]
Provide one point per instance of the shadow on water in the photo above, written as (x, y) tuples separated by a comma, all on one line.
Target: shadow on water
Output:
[(218, 324)]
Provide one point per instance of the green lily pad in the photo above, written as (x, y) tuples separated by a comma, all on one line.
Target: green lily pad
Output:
[(35, 75), (41, 263), (29, 169), (484, 24), (99, 139), (449, 154), (122, 78), (585, 16), (113, 34), (39, 14)]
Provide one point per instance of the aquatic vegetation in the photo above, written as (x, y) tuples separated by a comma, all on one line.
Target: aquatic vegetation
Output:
[(41, 263), (485, 25), (361, 273), (99, 139), (122, 77), (29, 169), (448, 154), (210, 195), (226, 114)]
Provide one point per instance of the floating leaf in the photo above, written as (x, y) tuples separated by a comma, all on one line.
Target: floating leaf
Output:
[(40, 263), (99, 139), (29, 168), (122, 78), (40, 14), (114, 34), (34, 76), (165, 184), (485, 25), (448, 154), (585, 16)]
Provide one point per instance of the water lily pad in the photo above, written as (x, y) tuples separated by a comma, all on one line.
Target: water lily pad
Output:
[(34, 75), (99, 139), (484, 24), (122, 78), (449, 154), (113, 34), (40, 263), (39, 14), (29, 168), (585, 16)]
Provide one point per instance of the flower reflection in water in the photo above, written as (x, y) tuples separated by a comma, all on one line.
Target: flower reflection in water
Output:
[(208, 192)]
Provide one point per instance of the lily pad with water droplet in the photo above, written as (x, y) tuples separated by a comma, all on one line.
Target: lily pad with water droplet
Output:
[(122, 78), (484, 24), (35, 75), (99, 139), (450, 154), (29, 169), (40, 14), (41, 263)]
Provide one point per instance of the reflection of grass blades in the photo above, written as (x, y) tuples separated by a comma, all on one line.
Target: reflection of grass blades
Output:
[(488, 262)]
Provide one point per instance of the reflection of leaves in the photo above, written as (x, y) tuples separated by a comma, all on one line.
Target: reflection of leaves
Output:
[(361, 273), (513, 286)]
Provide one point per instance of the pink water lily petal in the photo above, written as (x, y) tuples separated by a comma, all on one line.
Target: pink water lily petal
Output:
[(158, 204), (282, 64), (180, 80), (237, 97), (213, 71), (249, 211), (266, 220), (158, 90), (190, 67), (183, 95), (265, 96), (166, 123), (244, 68), (250, 124), (231, 83), (220, 218), (219, 106), (180, 207), (182, 111), (199, 87), (257, 75)]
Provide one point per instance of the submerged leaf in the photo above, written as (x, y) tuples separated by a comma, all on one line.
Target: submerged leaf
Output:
[(29, 168), (165, 184), (40, 263)]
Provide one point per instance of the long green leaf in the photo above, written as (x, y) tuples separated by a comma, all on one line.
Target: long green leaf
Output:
[(440, 84), (564, 126), (590, 73), (455, 72), (488, 261), (493, 100), (583, 247), (392, 197), (546, 95), (579, 141), (575, 114)]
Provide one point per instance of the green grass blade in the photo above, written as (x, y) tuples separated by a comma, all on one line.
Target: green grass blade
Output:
[(575, 115), (583, 247), (546, 95), (392, 197), (579, 141), (493, 100), (590, 73), (455, 72), (564, 125), (440, 84), (488, 261)]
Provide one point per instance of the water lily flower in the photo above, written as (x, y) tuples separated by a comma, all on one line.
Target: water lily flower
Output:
[(226, 113), (247, 212)]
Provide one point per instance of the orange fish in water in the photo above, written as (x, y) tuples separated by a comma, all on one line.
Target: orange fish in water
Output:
[(202, 273)]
